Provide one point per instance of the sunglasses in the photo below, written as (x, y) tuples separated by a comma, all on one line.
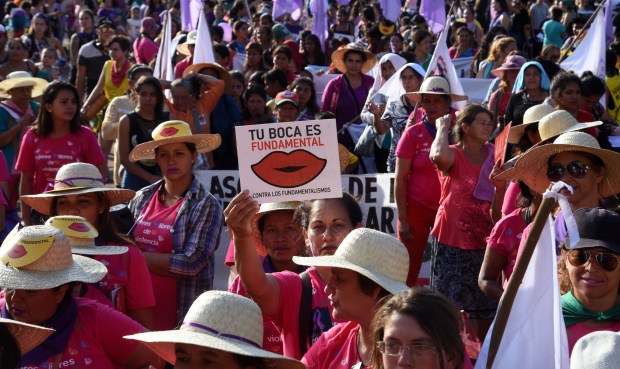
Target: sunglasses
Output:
[(576, 169), (606, 260)]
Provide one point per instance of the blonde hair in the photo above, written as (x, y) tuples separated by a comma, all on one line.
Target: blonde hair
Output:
[(498, 46)]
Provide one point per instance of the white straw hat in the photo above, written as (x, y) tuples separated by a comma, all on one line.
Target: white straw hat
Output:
[(434, 85), (376, 255), (192, 36), (75, 179), (531, 167), (26, 335), (219, 320), (39, 257), (22, 79), (532, 115), (174, 131), (266, 208), (558, 122), (81, 235), (597, 350)]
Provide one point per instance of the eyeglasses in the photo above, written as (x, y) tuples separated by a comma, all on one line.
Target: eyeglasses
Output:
[(576, 169), (606, 260), (396, 349)]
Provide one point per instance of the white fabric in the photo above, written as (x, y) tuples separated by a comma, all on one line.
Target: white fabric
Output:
[(590, 54), (203, 52), (396, 60), (441, 64), (567, 212), (163, 64)]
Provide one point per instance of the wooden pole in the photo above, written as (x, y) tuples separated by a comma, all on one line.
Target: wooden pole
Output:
[(516, 278), (583, 30)]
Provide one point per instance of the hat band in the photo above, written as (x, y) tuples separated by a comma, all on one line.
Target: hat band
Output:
[(69, 182), (214, 331)]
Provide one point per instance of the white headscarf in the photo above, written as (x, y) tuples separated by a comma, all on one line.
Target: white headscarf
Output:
[(396, 60), (394, 88)]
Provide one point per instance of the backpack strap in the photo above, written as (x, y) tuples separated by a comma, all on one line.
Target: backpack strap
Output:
[(305, 312)]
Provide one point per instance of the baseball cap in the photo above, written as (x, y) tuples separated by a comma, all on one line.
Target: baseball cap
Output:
[(597, 228), (105, 22), (287, 96)]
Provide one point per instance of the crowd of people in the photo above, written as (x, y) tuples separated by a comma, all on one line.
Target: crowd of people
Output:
[(109, 236)]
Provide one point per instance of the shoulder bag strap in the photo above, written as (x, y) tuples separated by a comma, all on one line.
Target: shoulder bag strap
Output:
[(305, 312)]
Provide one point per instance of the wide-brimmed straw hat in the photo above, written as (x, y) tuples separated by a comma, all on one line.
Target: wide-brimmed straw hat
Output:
[(532, 115), (531, 168), (338, 57), (191, 40), (560, 121), (222, 74), (76, 179), (596, 350), (81, 235), (22, 79), (39, 257), (267, 208), (174, 131), (513, 62), (376, 255), (27, 336), (434, 85), (218, 320)]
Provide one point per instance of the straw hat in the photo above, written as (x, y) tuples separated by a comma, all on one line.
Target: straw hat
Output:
[(219, 320), (434, 85), (376, 255), (174, 131), (191, 40), (39, 257), (597, 350), (532, 115), (75, 179), (343, 157), (22, 79), (513, 62), (266, 208), (531, 168), (338, 57), (26, 335), (81, 235), (558, 122), (222, 74)]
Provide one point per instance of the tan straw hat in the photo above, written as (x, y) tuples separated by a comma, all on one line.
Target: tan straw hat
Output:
[(558, 122), (174, 131), (81, 235), (531, 168), (532, 115), (266, 208), (22, 79), (26, 335), (434, 85), (218, 320), (338, 57), (376, 255), (190, 40), (39, 257), (596, 350), (75, 179)]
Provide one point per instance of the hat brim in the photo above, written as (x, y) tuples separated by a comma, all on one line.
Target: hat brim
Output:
[(391, 285), (516, 132), (204, 143), (43, 202), (38, 85), (280, 102), (26, 335), (417, 96), (221, 73), (573, 128), (338, 60), (163, 344), (499, 72), (531, 168), (585, 243), (83, 269), (99, 250), (184, 49)]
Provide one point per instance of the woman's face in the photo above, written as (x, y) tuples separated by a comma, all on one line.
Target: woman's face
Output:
[(328, 225), (507, 50), (254, 57), (86, 22), (198, 357), (115, 51), (569, 99), (404, 330), (256, 105), (353, 63), (346, 296), (587, 102), (237, 89), (281, 237), (411, 80), (304, 93), (435, 106), (147, 97), (531, 78), (464, 38), (585, 190), (511, 76), (16, 50), (387, 70), (182, 98), (396, 45), (86, 205), (33, 306), (39, 26), (481, 128), (496, 6), (175, 160), (309, 46), (262, 36), (469, 15), (591, 281), (424, 45), (21, 95), (64, 106)]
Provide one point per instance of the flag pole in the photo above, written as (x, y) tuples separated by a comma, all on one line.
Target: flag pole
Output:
[(584, 30), (247, 9), (516, 278)]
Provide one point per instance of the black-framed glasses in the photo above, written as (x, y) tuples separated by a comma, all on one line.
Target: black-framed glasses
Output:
[(606, 260), (576, 169), (396, 349)]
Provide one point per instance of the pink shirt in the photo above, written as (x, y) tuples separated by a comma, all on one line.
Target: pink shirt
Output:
[(43, 156), (505, 238), (97, 339), (576, 331), (462, 220), (423, 188), (510, 198), (179, 68), (152, 234), (144, 49), (336, 348)]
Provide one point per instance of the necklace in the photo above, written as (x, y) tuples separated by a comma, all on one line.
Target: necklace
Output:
[(168, 199)]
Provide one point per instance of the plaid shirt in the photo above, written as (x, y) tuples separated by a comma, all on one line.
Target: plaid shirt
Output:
[(195, 237)]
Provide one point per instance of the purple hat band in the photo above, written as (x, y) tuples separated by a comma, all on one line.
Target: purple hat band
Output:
[(437, 89), (217, 333)]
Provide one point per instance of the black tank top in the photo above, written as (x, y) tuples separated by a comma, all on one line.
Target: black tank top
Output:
[(140, 130)]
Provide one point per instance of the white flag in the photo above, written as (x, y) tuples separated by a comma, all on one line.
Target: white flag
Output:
[(441, 64), (590, 54), (535, 335), (163, 64), (203, 52)]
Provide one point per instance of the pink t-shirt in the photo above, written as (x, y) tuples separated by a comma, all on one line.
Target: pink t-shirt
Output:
[(510, 198), (505, 238), (152, 234), (144, 49), (43, 156), (423, 188), (97, 339), (462, 220), (128, 281), (93, 293), (336, 348), (576, 331)]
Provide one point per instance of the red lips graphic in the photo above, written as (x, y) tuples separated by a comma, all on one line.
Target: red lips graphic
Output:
[(288, 170), (17, 251), (167, 132), (79, 227)]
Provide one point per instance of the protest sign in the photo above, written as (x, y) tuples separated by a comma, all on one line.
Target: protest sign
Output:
[(289, 161)]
